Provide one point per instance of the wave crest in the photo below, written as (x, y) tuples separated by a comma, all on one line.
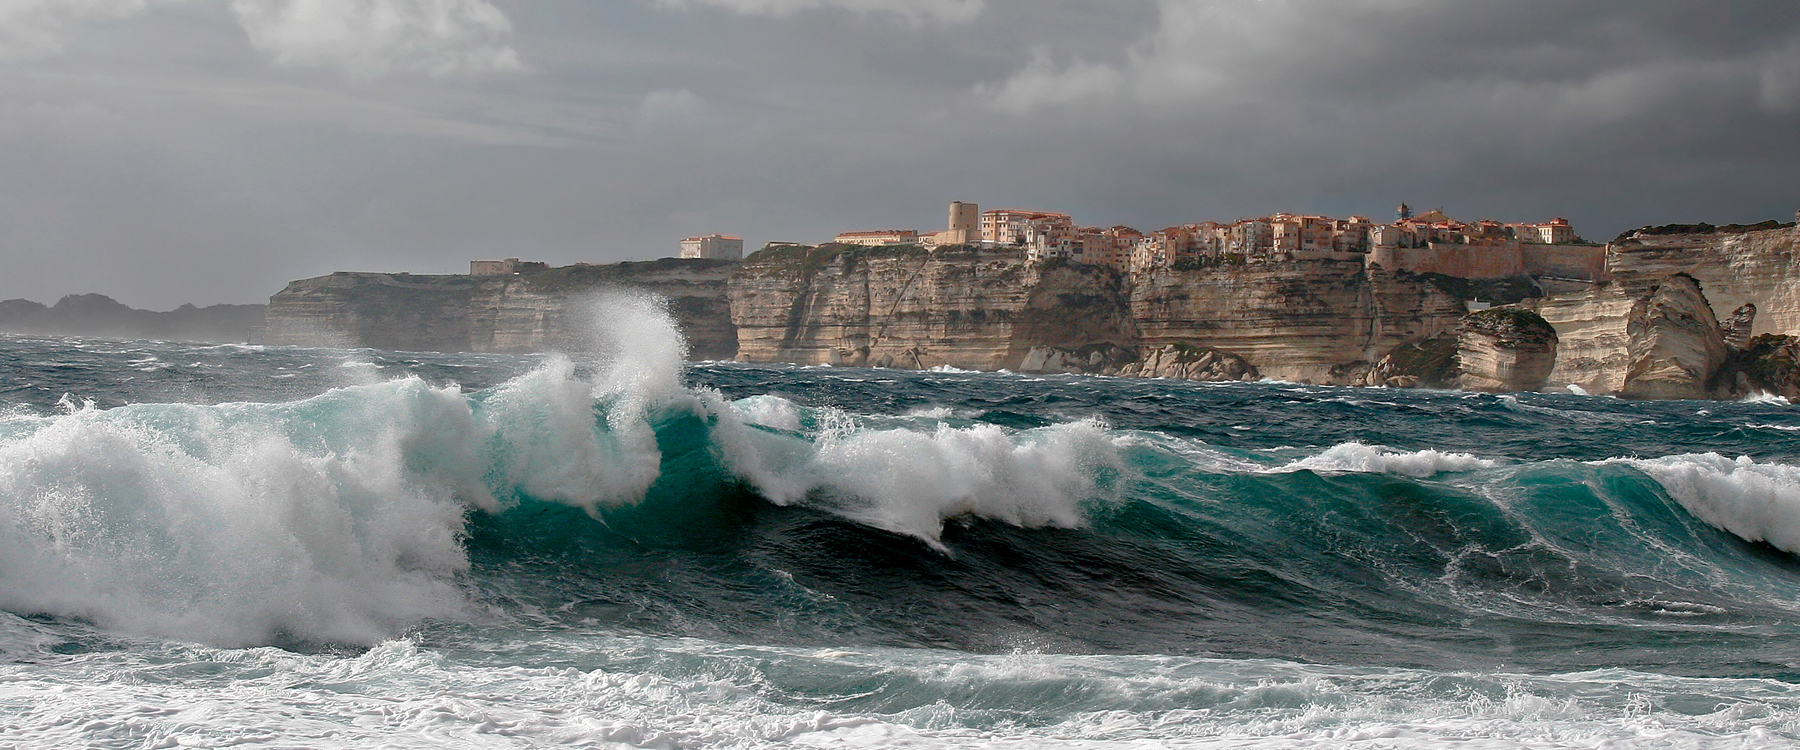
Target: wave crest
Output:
[(1759, 502)]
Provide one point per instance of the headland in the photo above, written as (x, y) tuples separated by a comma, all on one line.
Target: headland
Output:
[(1681, 311)]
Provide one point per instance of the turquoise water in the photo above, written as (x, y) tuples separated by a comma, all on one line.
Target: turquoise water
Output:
[(203, 546)]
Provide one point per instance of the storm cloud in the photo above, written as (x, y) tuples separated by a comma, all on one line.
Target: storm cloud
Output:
[(169, 151)]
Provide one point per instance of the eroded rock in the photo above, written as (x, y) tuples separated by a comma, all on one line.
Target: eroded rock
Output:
[(1505, 350), (1736, 329), (1676, 344)]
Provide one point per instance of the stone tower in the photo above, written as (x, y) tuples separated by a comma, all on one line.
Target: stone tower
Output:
[(1403, 213), (965, 223)]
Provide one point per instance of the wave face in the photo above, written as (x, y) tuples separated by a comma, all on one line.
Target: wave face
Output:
[(884, 557)]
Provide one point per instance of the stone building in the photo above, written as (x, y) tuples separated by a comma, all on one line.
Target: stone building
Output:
[(713, 247), (879, 237)]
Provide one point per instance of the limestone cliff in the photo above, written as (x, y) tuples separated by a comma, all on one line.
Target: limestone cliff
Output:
[(1736, 268), (1592, 341), (525, 312), (1751, 280), (1505, 350), (989, 309), (1676, 344), (1292, 321), (903, 307)]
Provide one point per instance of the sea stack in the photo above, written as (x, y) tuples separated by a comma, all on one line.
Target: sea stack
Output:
[(1676, 343), (1505, 349)]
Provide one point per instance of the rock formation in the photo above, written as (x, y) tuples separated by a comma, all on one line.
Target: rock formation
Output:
[(1504, 350), (1188, 362), (1292, 321), (525, 312), (1736, 329), (1175, 361), (1751, 276), (969, 308), (1431, 363), (1645, 333), (1676, 344), (1770, 363)]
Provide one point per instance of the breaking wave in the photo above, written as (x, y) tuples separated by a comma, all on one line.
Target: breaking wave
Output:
[(354, 515)]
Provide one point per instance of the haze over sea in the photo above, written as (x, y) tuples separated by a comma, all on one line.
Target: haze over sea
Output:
[(278, 547)]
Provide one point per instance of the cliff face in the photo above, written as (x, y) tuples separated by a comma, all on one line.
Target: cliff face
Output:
[(1314, 321), (1293, 321), (902, 307), (1592, 338), (988, 309), (1760, 268), (1751, 281), (532, 312)]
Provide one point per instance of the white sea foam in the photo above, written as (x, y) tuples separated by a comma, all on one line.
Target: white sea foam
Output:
[(402, 695), (1760, 397), (911, 482), (768, 411), (1757, 501), (338, 518), (219, 524), (1360, 458)]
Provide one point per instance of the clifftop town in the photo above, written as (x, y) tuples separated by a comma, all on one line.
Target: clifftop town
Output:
[(1690, 312), (1430, 242)]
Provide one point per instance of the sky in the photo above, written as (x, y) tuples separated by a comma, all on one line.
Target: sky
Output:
[(209, 151)]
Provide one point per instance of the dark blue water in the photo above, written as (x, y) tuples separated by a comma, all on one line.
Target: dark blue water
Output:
[(875, 557)]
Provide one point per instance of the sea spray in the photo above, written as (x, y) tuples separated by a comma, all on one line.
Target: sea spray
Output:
[(238, 525), (338, 518)]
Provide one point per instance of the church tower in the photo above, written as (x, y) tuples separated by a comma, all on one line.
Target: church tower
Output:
[(1403, 213)]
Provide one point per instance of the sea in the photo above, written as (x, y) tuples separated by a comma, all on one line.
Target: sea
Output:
[(276, 547)]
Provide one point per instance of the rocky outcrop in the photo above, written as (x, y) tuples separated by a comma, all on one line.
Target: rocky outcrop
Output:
[(1099, 359), (1676, 344), (1504, 350), (554, 309), (1736, 329), (1770, 364), (1188, 362), (1175, 361), (1430, 363)]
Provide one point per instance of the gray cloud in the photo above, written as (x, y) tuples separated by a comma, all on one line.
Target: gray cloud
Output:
[(31, 29), (370, 38), (944, 10), (160, 158)]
